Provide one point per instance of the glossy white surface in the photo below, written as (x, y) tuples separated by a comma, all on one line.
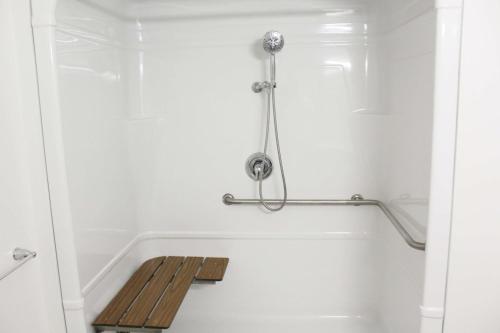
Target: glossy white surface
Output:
[(57, 177), (395, 14), (257, 295), (404, 69), (199, 120), (29, 297), (158, 10), (265, 302), (473, 293), (155, 119), (405, 57), (92, 144), (108, 82), (443, 160), (99, 182), (400, 282)]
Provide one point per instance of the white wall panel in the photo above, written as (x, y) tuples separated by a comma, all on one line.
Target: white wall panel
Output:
[(29, 296), (93, 115), (473, 292), (158, 119)]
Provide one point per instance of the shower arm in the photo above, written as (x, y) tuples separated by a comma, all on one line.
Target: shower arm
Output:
[(356, 200)]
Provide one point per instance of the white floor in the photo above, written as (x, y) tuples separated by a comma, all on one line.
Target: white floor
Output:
[(185, 323)]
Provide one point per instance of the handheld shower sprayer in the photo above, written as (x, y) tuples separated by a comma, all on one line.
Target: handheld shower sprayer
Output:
[(273, 42)]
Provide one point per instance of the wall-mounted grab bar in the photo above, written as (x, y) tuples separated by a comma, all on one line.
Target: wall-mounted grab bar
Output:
[(21, 256), (356, 200)]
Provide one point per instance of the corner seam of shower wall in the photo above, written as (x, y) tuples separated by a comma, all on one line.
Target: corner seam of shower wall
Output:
[(446, 82), (43, 25)]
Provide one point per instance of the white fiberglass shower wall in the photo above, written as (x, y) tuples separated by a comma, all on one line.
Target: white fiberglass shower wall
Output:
[(149, 118)]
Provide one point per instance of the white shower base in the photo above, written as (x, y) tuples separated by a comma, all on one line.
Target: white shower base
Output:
[(275, 282), (289, 324)]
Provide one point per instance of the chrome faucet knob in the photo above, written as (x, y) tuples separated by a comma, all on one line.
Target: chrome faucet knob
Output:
[(259, 166)]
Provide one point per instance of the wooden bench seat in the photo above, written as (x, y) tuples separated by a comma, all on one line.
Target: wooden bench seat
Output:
[(150, 299)]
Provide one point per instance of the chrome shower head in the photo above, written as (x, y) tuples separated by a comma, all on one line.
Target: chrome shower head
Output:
[(273, 42)]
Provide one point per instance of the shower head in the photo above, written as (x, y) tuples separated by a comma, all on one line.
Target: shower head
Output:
[(273, 42)]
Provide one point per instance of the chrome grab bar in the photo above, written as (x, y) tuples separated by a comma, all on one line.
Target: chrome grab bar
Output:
[(356, 200), (22, 256)]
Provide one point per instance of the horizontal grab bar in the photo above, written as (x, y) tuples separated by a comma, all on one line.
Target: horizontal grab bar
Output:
[(21, 256), (356, 200)]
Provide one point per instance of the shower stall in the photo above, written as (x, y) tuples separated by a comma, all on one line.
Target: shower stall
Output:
[(150, 114)]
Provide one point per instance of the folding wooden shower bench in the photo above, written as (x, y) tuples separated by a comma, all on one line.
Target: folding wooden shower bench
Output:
[(149, 301)]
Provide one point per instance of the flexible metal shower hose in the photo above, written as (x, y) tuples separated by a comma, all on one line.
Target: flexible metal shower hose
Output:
[(272, 104)]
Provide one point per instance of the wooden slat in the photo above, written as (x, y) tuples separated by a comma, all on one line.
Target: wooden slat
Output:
[(121, 302), (142, 307), (213, 269), (165, 312)]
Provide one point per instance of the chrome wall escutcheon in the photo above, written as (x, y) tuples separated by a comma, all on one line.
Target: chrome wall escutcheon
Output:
[(20, 254)]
